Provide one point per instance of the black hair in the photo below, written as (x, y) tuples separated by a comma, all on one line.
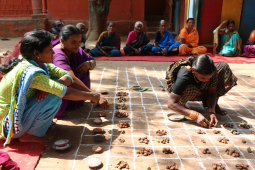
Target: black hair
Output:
[(111, 22), (57, 24), (34, 40), (69, 30), (36, 29), (55, 30), (190, 19), (230, 22), (203, 64)]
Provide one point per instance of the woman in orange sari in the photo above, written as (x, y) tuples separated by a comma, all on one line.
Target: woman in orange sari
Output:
[(189, 40)]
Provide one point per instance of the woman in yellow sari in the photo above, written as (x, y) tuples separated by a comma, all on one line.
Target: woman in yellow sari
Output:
[(189, 40)]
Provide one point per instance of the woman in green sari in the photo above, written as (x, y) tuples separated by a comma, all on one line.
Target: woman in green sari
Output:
[(227, 41)]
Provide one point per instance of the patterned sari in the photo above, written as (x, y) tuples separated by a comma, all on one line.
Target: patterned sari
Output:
[(191, 38), (140, 40), (225, 44)]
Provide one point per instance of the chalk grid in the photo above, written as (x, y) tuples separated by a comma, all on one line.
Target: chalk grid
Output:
[(184, 141)]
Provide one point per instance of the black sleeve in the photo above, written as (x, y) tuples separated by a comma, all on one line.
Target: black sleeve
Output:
[(184, 78), (157, 36)]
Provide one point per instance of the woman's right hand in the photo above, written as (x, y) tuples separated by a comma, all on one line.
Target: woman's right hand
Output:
[(225, 21), (96, 98), (136, 51), (201, 120)]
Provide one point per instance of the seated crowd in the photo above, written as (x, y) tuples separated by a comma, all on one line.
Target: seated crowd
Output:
[(54, 73)]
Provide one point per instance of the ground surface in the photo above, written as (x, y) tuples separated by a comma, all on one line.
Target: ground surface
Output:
[(148, 113)]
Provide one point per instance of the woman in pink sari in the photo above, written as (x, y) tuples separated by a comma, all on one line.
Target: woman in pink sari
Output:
[(249, 49)]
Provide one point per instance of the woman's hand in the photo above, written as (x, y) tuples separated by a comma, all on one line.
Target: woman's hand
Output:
[(164, 51), (105, 48), (140, 50), (201, 120), (83, 68), (103, 103), (41, 95), (137, 51), (213, 119), (225, 22), (96, 98)]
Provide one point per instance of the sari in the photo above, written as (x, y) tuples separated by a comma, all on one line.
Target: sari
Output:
[(20, 112), (137, 41), (166, 40), (55, 42), (60, 60), (113, 41), (249, 48), (191, 38), (226, 45)]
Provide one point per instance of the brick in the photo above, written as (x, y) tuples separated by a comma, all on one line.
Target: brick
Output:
[(23, 7), (9, 7), (3, 1), (1, 12), (18, 12), (29, 7), (15, 7), (25, 2), (17, 2), (25, 12), (12, 12), (2, 7), (30, 12), (10, 2), (6, 12)]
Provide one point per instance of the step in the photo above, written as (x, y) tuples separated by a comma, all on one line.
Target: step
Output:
[(152, 23), (154, 17), (151, 34), (152, 29)]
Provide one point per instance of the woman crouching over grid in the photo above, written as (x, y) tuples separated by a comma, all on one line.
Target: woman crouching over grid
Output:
[(198, 78)]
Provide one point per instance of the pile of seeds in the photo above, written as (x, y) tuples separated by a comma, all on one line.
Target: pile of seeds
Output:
[(230, 125), (164, 141), (242, 166), (143, 140), (161, 132), (219, 166), (123, 124), (199, 131), (253, 132), (121, 114), (233, 153), (122, 165), (145, 152), (122, 93), (149, 168), (121, 140), (122, 99), (223, 140), (206, 151), (122, 131), (245, 125), (167, 151), (121, 107), (173, 166), (234, 132), (250, 151), (216, 131), (203, 141)]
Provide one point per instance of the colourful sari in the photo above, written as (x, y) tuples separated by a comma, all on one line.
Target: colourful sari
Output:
[(137, 41), (167, 40), (226, 45), (191, 38), (113, 41), (249, 49)]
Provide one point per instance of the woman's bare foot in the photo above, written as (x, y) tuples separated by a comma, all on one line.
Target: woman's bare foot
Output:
[(55, 120), (159, 53), (218, 110), (30, 138)]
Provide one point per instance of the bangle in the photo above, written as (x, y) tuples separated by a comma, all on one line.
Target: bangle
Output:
[(90, 63), (93, 96), (193, 114), (210, 110)]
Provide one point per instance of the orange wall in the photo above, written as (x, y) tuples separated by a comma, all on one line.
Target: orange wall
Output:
[(15, 8)]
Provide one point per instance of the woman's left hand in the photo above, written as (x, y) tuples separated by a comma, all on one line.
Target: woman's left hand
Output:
[(213, 119), (41, 95), (164, 51), (83, 68)]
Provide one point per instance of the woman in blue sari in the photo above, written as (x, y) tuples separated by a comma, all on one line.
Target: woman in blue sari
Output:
[(227, 41), (108, 43), (137, 41), (32, 90), (164, 42)]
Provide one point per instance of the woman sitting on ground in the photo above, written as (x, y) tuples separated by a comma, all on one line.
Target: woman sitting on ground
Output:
[(55, 32), (189, 40), (70, 57), (57, 24), (198, 78), (227, 41), (249, 49), (137, 41), (81, 27), (108, 43), (26, 111), (164, 42)]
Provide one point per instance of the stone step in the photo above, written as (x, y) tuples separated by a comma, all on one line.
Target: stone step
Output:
[(151, 34), (154, 17), (152, 23), (152, 29)]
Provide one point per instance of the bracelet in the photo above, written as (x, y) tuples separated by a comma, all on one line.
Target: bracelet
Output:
[(93, 96), (90, 63), (210, 110), (193, 114)]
